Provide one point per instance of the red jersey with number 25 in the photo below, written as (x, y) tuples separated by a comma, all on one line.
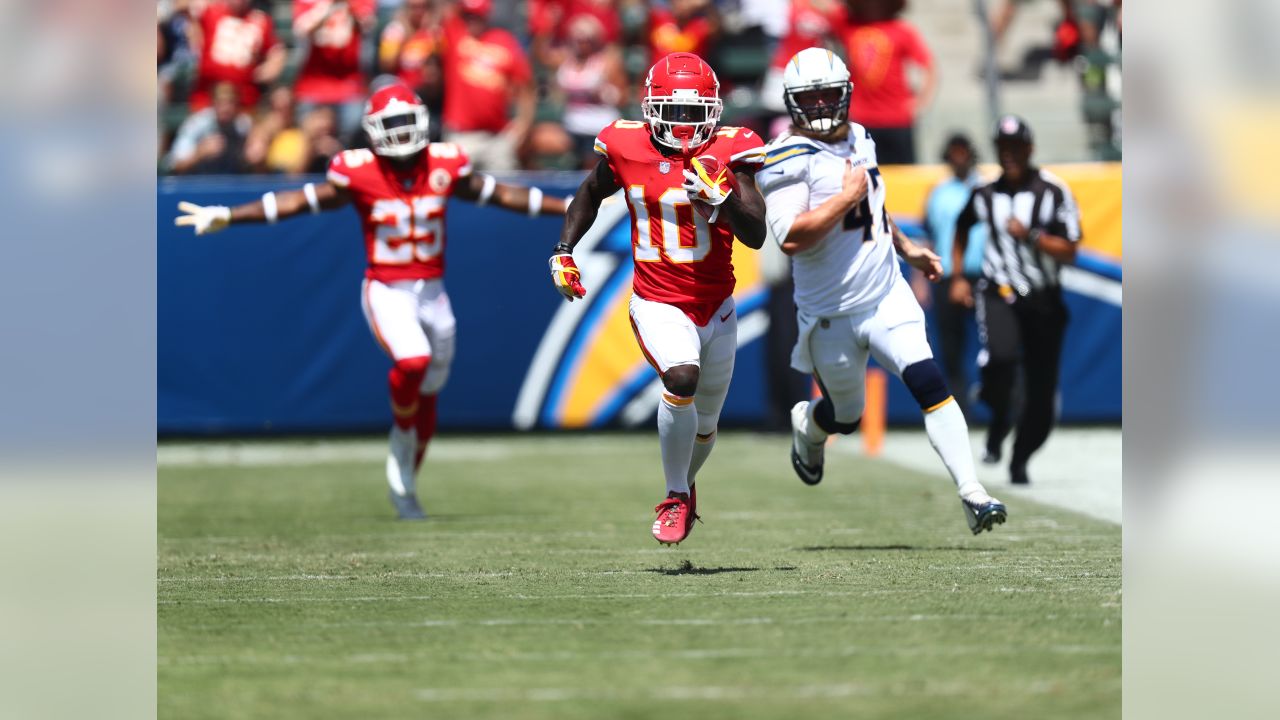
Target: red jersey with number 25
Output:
[(402, 212), (680, 258)]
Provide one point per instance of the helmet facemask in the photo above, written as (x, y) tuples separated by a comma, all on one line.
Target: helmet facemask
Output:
[(682, 120), (399, 130), (822, 108)]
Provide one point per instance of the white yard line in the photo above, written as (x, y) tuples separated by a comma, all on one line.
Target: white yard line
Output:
[(273, 452), (931, 688), (986, 649), (1077, 469)]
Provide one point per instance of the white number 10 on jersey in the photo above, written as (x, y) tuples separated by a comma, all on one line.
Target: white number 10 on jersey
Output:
[(408, 233), (669, 203)]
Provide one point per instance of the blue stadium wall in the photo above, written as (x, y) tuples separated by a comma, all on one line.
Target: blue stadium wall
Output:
[(260, 329)]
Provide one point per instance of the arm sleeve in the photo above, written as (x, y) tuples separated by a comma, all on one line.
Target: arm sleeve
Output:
[(338, 173), (748, 152), (464, 164), (786, 198), (868, 144), (609, 135)]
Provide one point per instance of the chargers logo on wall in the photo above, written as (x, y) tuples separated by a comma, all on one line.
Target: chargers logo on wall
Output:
[(588, 371)]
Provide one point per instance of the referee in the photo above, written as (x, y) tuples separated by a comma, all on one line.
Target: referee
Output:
[(1034, 227)]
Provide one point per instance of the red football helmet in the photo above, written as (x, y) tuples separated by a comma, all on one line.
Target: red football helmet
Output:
[(682, 101), (396, 121)]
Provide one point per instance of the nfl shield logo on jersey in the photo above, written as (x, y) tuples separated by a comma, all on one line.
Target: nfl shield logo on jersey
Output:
[(664, 167)]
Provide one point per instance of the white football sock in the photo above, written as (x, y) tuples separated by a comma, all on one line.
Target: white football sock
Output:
[(949, 435), (701, 451), (400, 475), (677, 428), (810, 429)]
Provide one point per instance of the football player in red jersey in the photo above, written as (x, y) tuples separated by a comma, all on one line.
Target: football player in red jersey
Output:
[(690, 188), (399, 190)]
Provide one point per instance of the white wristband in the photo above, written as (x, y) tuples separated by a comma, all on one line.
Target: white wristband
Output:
[(269, 208), (535, 201), (567, 202), (309, 190), (486, 191)]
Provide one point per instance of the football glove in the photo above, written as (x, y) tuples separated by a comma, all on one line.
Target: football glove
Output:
[(707, 192), (565, 274), (205, 219)]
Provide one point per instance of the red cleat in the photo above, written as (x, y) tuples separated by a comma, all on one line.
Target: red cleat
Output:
[(675, 519)]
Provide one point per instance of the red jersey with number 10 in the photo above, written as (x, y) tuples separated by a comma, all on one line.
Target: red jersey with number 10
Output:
[(402, 212), (680, 258)]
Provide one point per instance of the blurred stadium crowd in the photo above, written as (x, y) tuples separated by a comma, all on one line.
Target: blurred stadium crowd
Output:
[(257, 86)]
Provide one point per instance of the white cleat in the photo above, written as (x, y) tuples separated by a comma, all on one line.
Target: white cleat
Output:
[(400, 474), (806, 455)]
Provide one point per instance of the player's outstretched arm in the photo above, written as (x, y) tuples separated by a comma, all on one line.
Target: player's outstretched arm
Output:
[(483, 189), (918, 257), (810, 227), (273, 206), (745, 210), (578, 219)]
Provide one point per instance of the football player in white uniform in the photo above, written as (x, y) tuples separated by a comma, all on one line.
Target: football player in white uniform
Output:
[(825, 201)]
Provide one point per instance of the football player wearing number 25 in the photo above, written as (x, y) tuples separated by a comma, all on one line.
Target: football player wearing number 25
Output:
[(690, 190), (399, 189)]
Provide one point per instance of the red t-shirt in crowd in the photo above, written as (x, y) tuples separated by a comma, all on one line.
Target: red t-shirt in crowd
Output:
[(331, 73), (551, 17), (878, 53), (480, 74), (232, 47), (666, 36), (811, 24)]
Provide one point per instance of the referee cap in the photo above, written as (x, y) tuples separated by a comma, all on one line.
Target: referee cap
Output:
[(1012, 127)]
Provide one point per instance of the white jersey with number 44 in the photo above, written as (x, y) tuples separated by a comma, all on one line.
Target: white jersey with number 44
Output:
[(853, 268)]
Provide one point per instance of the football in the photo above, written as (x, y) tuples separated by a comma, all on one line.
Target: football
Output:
[(716, 174)]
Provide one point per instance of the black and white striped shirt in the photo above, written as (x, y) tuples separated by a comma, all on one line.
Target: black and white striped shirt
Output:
[(1045, 203)]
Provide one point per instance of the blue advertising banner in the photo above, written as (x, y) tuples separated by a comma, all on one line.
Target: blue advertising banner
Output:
[(261, 331)]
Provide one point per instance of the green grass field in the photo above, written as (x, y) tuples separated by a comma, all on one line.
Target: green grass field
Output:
[(286, 590)]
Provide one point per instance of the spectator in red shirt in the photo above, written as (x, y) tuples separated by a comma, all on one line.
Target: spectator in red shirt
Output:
[(880, 45), (590, 84), (690, 26), (238, 45), (485, 73), (810, 23), (410, 49), (333, 31), (549, 26)]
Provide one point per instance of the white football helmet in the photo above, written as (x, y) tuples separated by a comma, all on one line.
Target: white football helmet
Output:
[(816, 90)]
